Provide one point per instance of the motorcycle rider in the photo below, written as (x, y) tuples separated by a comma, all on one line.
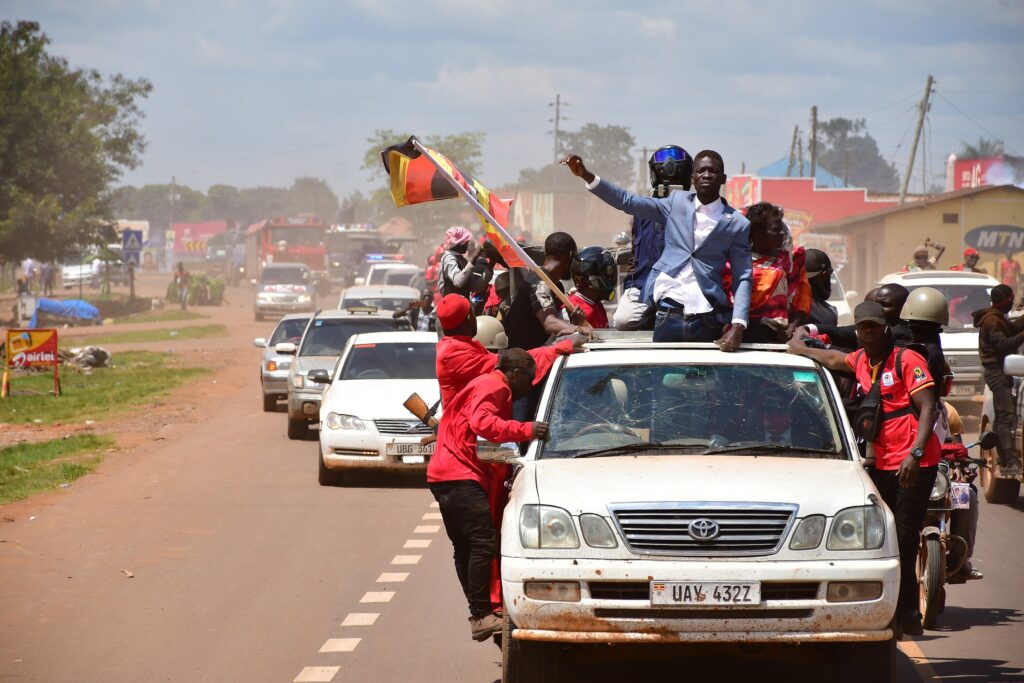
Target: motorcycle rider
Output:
[(998, 337), (926, 312), (671, 169)]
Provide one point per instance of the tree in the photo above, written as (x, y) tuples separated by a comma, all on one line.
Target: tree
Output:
[(984, 149), (312, 195), (66, 135), (605, 149), (848, 151)]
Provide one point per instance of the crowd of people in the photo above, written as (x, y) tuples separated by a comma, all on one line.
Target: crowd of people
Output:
[(700, 271)]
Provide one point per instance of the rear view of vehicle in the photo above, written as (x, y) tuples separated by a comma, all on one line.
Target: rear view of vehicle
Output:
[(383, 297), (363, 424), (284, 288)]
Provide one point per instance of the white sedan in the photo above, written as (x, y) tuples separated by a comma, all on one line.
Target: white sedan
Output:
[(363, 423)]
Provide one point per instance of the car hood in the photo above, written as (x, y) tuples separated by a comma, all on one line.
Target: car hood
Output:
[(375, 399), (303, 364), (967, 340), (818, 486), (284, 289)]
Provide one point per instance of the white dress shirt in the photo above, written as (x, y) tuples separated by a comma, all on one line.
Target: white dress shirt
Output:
[(684, 288)]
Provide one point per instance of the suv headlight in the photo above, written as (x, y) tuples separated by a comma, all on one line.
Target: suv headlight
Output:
[(596, 531), (340, 421), (544, 526), (808, 533), (263, 296), (299, 381), (304, 299), (858, 528), (940, 488)]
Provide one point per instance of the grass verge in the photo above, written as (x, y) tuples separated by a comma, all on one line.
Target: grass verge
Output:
[(29, 468), (137, 377), (172, 315), (143, 336)]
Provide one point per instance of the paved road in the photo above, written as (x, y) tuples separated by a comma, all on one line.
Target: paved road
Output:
[(244, 569)]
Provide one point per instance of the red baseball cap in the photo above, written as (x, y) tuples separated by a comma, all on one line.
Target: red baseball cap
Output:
[(970, 251), (452, 310)]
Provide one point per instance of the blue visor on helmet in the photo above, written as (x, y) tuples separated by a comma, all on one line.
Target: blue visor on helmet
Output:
[(665, 153)]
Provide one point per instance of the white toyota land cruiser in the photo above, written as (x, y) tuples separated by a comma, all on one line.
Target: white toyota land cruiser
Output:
[(686, 495)]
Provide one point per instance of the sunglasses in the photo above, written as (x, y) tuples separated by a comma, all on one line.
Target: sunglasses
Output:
[(666, 153)]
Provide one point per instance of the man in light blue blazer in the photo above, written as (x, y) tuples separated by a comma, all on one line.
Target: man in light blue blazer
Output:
[(702, 234)]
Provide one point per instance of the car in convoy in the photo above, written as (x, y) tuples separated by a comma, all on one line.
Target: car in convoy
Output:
[(284, 288), (997, 488), (383, 297), (363, 423), (689, 496), (273, 365), (394, 274), (841, 300), (321, 345), (966, 293)]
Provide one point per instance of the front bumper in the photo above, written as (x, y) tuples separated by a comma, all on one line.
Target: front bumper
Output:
[(283, 306), (275, 383), (776, 619), (303, 405), (368, 450)]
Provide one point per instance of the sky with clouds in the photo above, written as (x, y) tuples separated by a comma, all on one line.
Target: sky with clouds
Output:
[(258, 92)]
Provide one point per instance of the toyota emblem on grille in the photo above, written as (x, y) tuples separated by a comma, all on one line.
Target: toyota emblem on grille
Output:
[(703, 529)]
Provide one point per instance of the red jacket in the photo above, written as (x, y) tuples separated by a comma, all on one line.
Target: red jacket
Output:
[(460, 359), (482, 409)]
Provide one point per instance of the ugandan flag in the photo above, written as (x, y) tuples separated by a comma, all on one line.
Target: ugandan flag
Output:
[(417, 178)]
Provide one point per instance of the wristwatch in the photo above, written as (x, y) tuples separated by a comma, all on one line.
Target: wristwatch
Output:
[(917, 453)]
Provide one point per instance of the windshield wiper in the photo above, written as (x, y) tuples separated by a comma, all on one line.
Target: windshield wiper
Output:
[(767, 447), (618, 450)]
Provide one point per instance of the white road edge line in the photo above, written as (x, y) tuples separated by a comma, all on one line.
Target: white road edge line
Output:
[(392, 577), (378, 596), (361, 619), (922, 667), (406, 559), (340, 645), (316, 674)]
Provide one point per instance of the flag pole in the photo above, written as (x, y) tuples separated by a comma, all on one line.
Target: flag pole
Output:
[(493, 222)]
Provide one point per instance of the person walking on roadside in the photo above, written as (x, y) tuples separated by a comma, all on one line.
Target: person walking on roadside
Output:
[(702, 234), (998, 337), (183, 281), (906, 449), (457, 478), (46, 272)]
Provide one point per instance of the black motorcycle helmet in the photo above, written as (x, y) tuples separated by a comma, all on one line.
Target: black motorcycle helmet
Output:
[(671, 165), (598, 267)]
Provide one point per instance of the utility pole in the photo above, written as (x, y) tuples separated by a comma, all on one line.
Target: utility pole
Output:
[(640, 177), (922, 110), (812, 141), (800, 153), (792, 151), (557, 104)]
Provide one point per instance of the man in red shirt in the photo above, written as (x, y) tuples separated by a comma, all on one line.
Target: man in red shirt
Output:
[(906, 451), (1009, 271), (457, 477)]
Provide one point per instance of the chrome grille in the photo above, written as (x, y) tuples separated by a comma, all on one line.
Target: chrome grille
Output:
[(402, 427), (663, 528)]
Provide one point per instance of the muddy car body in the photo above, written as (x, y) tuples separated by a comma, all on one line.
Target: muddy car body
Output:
[(771, 540)]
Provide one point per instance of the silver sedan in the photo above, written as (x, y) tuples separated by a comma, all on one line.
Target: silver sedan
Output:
[(274, 366)]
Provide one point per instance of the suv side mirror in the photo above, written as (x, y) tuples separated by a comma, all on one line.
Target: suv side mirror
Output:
[(1014, 365), (988, 440), (319, 376), (851, 297), (359, 281), (260, 342), (285, 348)]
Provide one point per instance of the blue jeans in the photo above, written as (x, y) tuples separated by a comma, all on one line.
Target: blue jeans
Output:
[(671, 327)]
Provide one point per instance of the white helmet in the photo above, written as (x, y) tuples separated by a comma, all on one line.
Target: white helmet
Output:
[(490, 333)]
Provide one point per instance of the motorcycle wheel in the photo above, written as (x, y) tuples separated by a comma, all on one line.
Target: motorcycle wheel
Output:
[(997, 489), (930, 577)]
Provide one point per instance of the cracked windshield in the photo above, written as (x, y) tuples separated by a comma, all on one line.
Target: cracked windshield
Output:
[(692, 409)]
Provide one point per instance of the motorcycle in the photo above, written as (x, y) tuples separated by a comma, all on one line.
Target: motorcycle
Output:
[(942, 554)]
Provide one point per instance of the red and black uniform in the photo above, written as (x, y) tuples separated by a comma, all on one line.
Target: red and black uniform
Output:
[(460, 359), (458, 479), (593, 311), (895, 441)]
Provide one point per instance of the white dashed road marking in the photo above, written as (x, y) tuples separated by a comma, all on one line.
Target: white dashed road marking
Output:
[(417, 543), (360, 619), (392, 577), (427, 529), (316, 674), (435, 504), (431, 516), (340, 645), (406, 559), (378, 596)]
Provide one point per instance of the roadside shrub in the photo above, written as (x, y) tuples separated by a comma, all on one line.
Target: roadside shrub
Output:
[(204, 291)]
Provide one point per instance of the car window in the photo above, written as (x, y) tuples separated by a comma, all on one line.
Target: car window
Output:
[(963, 301), (691, 409), (284, 276), (384, 304), (288, 331), (390, 361), (328, 336), (837, 289), (400, 277)]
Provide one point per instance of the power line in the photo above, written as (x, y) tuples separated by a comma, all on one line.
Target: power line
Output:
[(882, 108), (975, 122)]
